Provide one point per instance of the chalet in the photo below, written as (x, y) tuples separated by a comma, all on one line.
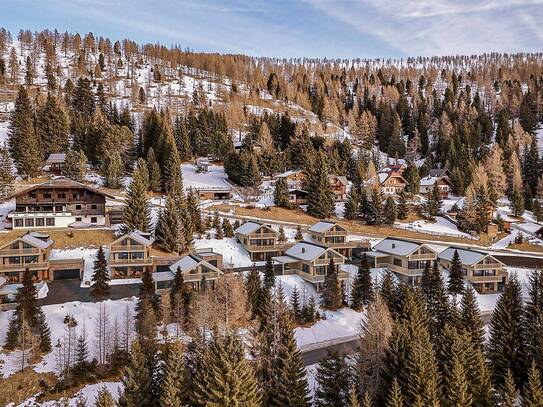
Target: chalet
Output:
[(55, 163), (210, 193), (394, 168), (58, 203), (32, 251), (441, 177), (405, 258), (297, 197), (338, 183), (311, 262), (391, 183), (197, 271), (130, 254), (485, 273), (259, 240), (330, 234), (295, 178)]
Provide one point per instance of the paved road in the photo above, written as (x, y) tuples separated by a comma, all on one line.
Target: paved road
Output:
[(61, 291)]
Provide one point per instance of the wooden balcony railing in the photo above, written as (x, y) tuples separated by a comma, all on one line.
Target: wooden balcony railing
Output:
[(428, 256), (325, 262), (143, 262), (212, 275), (23, 266), (399, 269), (19, 252), (126, 248), (319, 278), (485, 279)]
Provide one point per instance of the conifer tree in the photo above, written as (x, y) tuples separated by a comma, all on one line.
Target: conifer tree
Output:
[(53, 128), (104, 398), (395, 398), (137, 380), (508, 391), (333, 379), (296, 305), (137, 212), (320, 198), (23, 141), (281, 238), (153, 167), (433, 204), (7, 177), (470, 318), (387, 291), (362, 289), (100, 277), (403, 207), (506, 347), (269, 274), (113, 170), (353, 398), (226, 377), (533, 390), (299, 235), (455, 284), (169, 233), (374, 215), (253, 288), (280, 193), (227, 228), (43, 331), (332, 295), (390, 211), (75, 165), (351, 206), (194, 212), (174, 381)]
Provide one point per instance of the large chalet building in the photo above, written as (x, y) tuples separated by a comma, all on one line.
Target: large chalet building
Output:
[(58, 203), (261, 241), (441, 177), (331, 234)]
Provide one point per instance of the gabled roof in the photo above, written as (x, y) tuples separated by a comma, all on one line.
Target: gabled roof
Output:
[(38, 240), (340, 178), (439, 172), (137, 235), (59, 182), (384, 176), (431, 180), (289, 173), (323, 226), (467, 257), (250, 227), (190, 262), (308, 251), (56, 158), (399, 247)]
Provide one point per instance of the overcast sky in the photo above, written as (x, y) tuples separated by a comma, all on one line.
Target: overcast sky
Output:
[(297, 28)]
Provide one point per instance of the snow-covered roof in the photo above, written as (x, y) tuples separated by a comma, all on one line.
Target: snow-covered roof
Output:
[(396, 246), (285, 259), (56, 158), (428, 181), (322, 226), (375, 254), (340, 178), (248, 227), (289, 173), (35, 239), (305, 251), (438, 172), (186, 263), (467, 257), (163, 276), (2, 281), (383, 176), (141, 237)]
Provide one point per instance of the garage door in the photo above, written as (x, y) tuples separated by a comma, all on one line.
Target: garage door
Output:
[(66, 274)]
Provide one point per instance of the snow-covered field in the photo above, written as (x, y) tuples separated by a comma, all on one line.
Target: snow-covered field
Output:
[(215, 178), (441, 226)]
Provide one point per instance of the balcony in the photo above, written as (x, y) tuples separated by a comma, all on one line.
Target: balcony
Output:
[(26, 215), (131, 262), (319, 278), (489, 266), (24, 266), (268, 235), (325, 262), (427, 256), (191, 278), (19, 252), (336, 233), (486, 279), (126, 248), (399, 269)]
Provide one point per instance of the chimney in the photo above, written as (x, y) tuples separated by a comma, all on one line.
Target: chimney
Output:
[(393, 245), (303, 249)]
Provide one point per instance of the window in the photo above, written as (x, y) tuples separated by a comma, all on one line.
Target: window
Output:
[(93, 206), (40, 222), (30, 259), (29, 223), (94, 219), (32, 195), (122, 256), (138, 255), (397, 262), (76, 195), (18, 223), (78, 207), (78, 219), (14, 260), (50, 222), (47, 195), (61, 195), (58, 208)]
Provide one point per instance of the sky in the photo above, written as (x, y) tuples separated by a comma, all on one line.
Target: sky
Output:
[(297, 28)]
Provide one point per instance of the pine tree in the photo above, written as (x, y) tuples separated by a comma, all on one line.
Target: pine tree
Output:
[(227, 228), (75, 165), (362, 289), (137, 212), (155, 174), (332, 295), (390, 211), (470, 318), (104, 398), (395, 398), (113, 170), (281, 238), (403, 207), (506, 344), (320, 198), (351, 206), (509, 393), (53, 128), (269, 274), (174, 381), (253, 288), (299, 235), (24, 142), (137, 380), (280, 193), (533, 390), (333, 381), (455, 284), (296, 305), (226, 377), (7, 178), (100, 277)]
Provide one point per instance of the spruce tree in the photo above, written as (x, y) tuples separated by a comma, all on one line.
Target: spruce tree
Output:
[(506, 345), (455, 284), (113, 170), (44, 332), (299, 235), (174, 381), (390, 211), (280, 193), (320, 198), (153, 167), (281, 238), (169, 232), (533, 390), (295, 304), (137, 380), (75, 165), (332, 295), (253, 288), (395, 398), (362, 289), (470, 318), (137, 212), (333, 379), (351, 206), (226, 377), (375, 215), (100, 277), (7, 178), (508, 391), (533, 319), (309, 311), (104, 398), (53, 128), (23, 141), (227, 228), (403, 207), (269, 274)]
